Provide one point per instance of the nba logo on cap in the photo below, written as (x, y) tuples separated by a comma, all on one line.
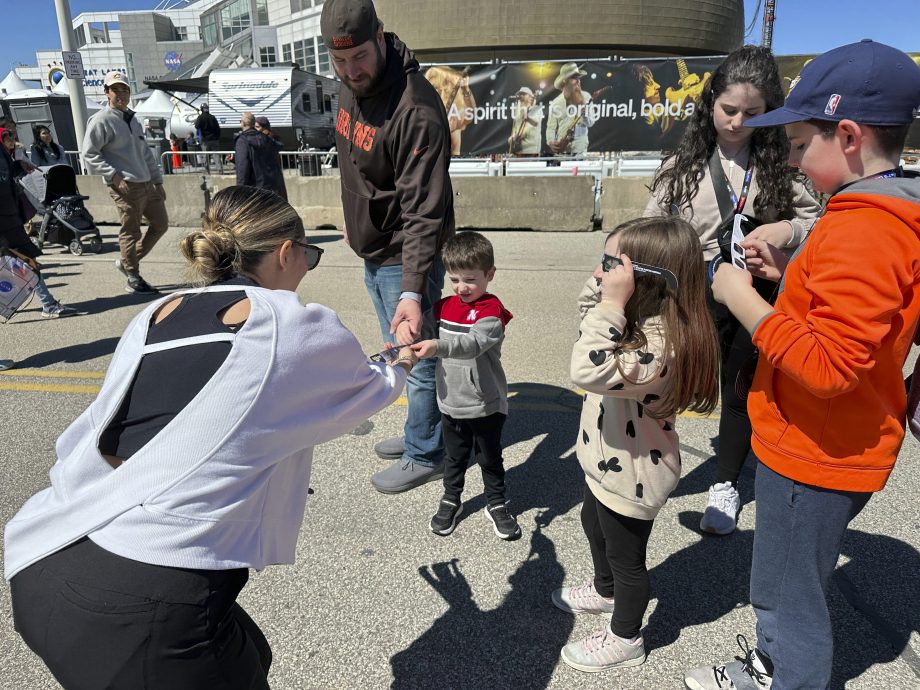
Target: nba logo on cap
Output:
[(832, 104)]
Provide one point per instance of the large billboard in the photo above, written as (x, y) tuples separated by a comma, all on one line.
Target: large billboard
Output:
[(570, 108)]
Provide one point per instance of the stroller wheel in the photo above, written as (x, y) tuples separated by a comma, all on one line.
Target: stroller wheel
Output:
[(37, 242), (76, 247), (95, 245)]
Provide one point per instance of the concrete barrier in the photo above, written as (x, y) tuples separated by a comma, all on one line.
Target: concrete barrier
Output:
[(536, 203), (623, 198)]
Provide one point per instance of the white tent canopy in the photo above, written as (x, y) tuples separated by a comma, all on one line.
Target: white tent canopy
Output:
[(29, 94), (158, 105), (12, 84)]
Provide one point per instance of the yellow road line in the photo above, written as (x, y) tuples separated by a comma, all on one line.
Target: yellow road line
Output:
[(516, 400), (50, 387), (51, 374)]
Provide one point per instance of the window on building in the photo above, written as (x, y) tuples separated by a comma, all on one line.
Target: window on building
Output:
[(304, 55), (286, 55), (267, 57), (261, 12), (81, 36), (325, 67), (235, 18), (181, 33), (209, 29), (300, 5)]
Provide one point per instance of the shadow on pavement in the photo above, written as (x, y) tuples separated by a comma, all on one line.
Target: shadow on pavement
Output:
[(875, 606), (517, 644), (71, 353), (513, 646)]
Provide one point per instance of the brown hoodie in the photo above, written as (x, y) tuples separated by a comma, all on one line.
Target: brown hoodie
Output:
[(394, 151)]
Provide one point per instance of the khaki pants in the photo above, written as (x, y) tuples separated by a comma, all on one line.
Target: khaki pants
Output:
[(141, 201)]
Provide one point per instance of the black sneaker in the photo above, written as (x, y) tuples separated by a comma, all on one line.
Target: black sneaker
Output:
[(503, 522), (139, 285), (444, 522)]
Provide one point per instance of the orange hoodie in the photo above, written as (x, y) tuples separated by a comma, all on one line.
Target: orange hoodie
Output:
[(828, 400)]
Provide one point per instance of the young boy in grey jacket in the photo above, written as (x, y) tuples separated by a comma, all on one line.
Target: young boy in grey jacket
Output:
[(471, 386)]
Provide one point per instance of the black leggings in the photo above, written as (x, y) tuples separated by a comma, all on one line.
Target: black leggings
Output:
[(736, 350), (98, 620), (618, 547)]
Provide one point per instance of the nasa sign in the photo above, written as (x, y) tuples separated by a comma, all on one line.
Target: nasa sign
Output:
[(173, 61)]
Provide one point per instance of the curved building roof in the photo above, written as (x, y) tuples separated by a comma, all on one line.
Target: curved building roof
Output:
[(514, 29)]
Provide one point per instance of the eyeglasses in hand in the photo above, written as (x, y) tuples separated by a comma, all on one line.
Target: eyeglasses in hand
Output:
[(608, 262)]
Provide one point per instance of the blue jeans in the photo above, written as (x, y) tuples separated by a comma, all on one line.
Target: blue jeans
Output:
[(424, 445), (797, 539), (43, 294)]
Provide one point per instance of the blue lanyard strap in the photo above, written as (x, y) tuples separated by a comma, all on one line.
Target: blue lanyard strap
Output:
[(745, 187)]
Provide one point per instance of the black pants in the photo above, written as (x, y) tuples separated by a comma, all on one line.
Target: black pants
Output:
[(98, 621), (482, 436), (618, 546), (736, 350)]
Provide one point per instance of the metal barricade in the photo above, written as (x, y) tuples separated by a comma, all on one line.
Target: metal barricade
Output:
[(310, 162), (197, 162)]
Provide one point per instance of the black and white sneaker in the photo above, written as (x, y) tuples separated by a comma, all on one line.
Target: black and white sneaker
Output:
[(445, 520), (139, 285), (503, 522)]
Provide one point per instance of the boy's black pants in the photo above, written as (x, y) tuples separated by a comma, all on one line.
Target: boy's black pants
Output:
[(483, 437)]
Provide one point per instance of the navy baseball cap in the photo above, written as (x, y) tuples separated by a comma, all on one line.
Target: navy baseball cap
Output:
[(867, 82)]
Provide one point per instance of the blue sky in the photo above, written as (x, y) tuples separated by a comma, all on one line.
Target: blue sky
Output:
[(801, 27)]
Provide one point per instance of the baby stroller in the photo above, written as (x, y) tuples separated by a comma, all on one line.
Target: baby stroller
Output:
[(53, 192)]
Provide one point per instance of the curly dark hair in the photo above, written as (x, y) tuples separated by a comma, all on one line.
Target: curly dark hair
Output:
[(680, 181)]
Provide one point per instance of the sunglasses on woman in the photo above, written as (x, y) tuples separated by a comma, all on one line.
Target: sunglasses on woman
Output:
[(608, 262), (312, 252)]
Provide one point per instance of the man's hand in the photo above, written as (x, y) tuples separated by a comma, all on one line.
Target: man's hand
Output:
[(410, 311), (120, 183), (763, 259), (345, 234), (618, 284), (27, 166), (426, 349), (160, 190), (555, 146)]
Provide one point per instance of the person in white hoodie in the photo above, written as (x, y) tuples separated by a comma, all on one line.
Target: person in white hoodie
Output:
[(192, 465)]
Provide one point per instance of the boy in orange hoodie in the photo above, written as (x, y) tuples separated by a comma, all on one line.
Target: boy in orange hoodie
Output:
[(827, 402)]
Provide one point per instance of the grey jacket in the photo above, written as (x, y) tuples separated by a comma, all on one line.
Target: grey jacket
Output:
[(470, 380), (113, 145)]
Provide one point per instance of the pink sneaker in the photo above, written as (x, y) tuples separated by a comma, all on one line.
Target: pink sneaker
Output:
[(583, 599), (602, 651)]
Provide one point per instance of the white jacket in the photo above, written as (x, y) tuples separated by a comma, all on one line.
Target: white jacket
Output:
[(225, 484)]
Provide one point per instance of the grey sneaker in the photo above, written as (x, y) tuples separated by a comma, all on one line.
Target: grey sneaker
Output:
[(6, 364), (503, 522), (121, 267), (721, 513), (57, 310), (139, 285), (445, 520), (602, 651), (740, 674), (582, 599), (391, 448), (404, 475)]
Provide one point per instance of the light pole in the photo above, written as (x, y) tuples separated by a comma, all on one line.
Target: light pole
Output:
[(77, 95)]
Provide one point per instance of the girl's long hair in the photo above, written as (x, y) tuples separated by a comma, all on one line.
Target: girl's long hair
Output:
[(672, 243), (678, 182)]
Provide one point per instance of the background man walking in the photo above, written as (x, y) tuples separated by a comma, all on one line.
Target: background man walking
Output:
[(114, 147)]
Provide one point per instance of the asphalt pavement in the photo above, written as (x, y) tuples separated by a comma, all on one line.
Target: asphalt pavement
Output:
[(377, 601)]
